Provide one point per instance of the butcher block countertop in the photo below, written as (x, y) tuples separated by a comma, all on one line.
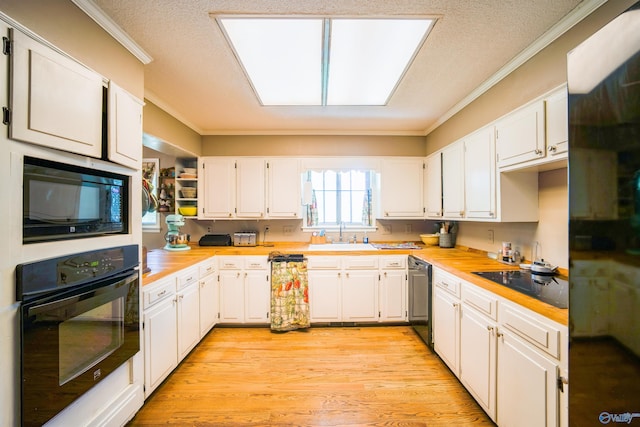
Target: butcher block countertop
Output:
[(460, 261)]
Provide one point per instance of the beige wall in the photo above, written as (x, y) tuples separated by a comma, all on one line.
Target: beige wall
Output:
[(68, 28), (540, 74), (165, 128), (318, 145)]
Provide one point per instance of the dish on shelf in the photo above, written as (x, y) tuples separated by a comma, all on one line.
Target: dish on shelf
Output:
[(190, 171), (188, 210), (188, 175), (188, 192)]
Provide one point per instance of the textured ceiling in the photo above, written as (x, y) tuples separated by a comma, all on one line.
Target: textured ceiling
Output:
[(195, 77)]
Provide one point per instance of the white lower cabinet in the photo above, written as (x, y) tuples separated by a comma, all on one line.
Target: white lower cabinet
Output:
[(510, 359), (171, 322), (188, 304), (478, 335), (446, 323), (393, 298), (245, 289), (209, 295), (357, 288), (160, 333), (528, 394)]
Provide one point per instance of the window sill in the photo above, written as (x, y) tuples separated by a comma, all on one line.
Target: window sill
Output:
[(346, 229)]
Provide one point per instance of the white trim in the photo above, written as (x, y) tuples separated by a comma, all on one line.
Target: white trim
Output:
[(109, 25), (569, 21)]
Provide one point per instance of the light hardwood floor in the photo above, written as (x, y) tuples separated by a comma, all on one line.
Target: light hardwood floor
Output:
[(353, 376)]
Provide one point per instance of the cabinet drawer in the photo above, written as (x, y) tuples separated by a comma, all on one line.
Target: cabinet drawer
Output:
[(483, 302), (323, 262), (256, 263), (207, 267), (186, 277), (447, 282), (158, 292), (360, 263), (389, 262), (230, 263), (541, 334)]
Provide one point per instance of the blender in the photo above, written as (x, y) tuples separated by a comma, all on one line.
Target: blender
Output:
[(176, 241)]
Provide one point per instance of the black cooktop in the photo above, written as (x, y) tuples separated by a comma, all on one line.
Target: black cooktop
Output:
[(550, 289)]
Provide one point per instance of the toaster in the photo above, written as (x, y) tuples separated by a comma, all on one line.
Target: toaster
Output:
[(245, 238)]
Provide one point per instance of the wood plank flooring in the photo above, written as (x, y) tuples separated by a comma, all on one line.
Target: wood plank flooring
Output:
[(354, 376)]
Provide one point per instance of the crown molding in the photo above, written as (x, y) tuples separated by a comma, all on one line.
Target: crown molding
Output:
[(110, 26), (583, 10)]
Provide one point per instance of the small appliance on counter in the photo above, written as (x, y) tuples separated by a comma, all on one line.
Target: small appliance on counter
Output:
[(245, 238), (176, 241), (215, 240)]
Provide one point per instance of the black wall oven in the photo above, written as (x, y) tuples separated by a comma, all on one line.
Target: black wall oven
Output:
[(62, 201), (79, 322)]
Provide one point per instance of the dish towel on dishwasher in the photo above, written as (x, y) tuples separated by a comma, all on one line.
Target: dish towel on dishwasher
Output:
[(289, 292)]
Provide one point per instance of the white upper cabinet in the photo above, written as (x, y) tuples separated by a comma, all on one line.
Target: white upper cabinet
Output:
[(283, 194), (125, 127), (433, 186), (557, 115), (453, 181), (216, 187), (401, 188), (595, 168), (232, 188), (250, 188), (56, 102), (521, 135), (480, 174)]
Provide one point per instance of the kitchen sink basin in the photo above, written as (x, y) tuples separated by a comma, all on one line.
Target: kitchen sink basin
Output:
[(343, 247)]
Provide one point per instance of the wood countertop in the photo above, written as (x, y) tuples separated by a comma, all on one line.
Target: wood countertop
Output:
[(460, 261)]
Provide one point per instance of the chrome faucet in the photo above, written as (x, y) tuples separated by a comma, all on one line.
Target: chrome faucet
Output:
[(341, 227)]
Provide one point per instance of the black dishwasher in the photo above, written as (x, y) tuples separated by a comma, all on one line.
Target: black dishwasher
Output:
[(420, 298)]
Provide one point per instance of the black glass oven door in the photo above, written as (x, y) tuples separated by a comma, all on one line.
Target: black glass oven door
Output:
[(71, 342)]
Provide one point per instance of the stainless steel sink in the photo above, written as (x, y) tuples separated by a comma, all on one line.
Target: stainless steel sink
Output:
[(343, 246)]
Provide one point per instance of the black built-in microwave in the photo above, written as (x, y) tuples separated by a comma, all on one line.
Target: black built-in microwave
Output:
[(62, 201)]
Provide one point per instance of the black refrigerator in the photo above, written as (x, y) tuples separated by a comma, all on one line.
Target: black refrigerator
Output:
[(604, 225)]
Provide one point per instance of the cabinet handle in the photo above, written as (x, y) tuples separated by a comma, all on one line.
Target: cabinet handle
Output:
[(347, 275), (461, 213), (445, 284), (538, 151), (552, 149), (386, 214), (238, 274), (385, 274), (490, 329), (162, 293), (339, 274)]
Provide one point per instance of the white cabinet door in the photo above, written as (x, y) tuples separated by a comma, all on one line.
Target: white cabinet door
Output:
[(478, 358), (231, 297), (480, 174), (520, 136), (393, 296), (257, 296), (453, 181), (217, 187), (446, 328), (250, 188), (360, 296), (557, 116), (433, 186), (401, 188), (160, 343), (209, 299), (324, 295), (55, 102), (125, 127), (527, 390), (188, 319), (283, 188)]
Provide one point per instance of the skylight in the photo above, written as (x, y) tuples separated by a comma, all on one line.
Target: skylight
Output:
[(315, 61)]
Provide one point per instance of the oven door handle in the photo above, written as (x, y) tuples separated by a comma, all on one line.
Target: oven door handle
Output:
[(107, 285)]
